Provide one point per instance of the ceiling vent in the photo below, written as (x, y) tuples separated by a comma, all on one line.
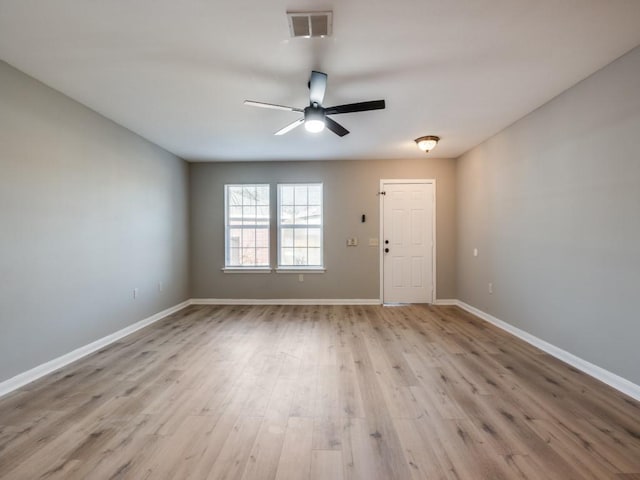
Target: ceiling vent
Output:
[(310, 24)]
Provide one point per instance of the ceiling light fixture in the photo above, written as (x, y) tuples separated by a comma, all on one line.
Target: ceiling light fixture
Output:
[(314, 120), (427, 143)]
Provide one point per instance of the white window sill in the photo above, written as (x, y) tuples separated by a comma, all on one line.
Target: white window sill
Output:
[(301, 270), (247, 269)]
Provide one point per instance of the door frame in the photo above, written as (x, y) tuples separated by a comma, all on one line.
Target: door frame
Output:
[(383, 182)]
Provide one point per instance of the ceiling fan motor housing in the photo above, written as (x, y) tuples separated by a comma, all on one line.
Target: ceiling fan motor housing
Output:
[(314, 112)]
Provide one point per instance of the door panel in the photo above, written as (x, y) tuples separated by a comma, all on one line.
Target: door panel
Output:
[(397, 230), (417, 227), (407, 225), (397, 271), (417, 268)]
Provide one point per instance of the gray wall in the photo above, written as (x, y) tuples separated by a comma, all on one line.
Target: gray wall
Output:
[(553, 205), (350, 189), (88, 212)]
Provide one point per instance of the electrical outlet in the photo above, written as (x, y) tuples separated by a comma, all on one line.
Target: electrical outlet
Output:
[(159, 286), (352, 242), (475, 252), (135, 293), (490, 288), (300, 277)]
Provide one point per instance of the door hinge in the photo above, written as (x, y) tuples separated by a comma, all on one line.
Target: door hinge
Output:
[(382, 193)]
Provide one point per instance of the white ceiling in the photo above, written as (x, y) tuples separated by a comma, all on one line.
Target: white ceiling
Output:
[(177, 72)]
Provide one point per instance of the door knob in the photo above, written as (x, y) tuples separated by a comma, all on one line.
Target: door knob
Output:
[(386, 242), (386, 250)]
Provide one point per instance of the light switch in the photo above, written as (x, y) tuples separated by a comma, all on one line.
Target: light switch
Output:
[(373, 242)]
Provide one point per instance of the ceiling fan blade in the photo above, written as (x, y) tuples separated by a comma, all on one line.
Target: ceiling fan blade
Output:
[(335, 127), (356, 107), (273, 106), (317, 87), (290, 127)]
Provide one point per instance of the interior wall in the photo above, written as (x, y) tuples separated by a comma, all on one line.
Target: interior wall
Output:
[(553, 205), (350, 190), (89, 211)]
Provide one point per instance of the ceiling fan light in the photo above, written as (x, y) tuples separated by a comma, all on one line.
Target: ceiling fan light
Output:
[(427, 143), (314, 126), (314, 119)]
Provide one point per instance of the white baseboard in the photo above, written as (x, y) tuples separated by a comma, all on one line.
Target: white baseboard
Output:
[(35, 373), (285, 301), (619, 383), (446, 301)]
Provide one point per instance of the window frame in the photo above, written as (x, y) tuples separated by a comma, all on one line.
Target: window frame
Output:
[(228, 267), (280, 268)]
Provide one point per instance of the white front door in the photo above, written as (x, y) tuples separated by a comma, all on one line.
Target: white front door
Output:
[(407, 241)]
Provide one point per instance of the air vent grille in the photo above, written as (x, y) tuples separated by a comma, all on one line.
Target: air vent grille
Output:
[(310, 24)]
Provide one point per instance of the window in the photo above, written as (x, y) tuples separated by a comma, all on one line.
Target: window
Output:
[(300, 225), (247, 221)]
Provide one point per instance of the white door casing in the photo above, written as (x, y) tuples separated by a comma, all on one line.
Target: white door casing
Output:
[(407, 243)]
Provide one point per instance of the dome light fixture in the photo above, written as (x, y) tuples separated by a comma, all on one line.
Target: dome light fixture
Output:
[(427, 143)]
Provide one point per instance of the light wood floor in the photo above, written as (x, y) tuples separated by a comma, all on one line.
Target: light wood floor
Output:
[(330, 392)]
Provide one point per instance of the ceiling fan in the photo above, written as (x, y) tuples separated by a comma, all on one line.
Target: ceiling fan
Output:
[(315, 115)]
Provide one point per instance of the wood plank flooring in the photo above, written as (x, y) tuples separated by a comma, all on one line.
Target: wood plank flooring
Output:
[(319, 392)]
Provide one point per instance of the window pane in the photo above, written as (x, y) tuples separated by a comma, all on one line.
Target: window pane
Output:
[(234, 256), (249, 215), (235, 235), (314, 256), (315, 194), (315, 215), (300, 237), (300, 256), (286, 237), (286, 195), (300, 195), (249, 238), (248, 257), (235, 216), (262, 238), (301, 215), (262, 256), (286, 215), (314, 237), (249, 195), (262, 194), (262, 215), (234, 194), (286, 256)]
